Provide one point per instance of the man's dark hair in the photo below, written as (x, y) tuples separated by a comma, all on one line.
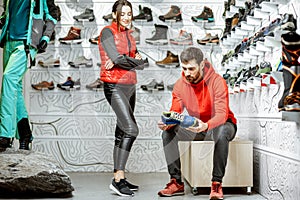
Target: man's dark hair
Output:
[(117, 8), (191, 53)]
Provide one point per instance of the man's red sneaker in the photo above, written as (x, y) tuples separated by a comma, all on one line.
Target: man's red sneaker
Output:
[(172, 189), (216, 191)]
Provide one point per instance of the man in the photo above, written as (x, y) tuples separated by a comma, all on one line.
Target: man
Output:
[(27, 26), (204, 94)]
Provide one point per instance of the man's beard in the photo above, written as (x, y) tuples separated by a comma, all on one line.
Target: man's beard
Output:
[(191, 79)]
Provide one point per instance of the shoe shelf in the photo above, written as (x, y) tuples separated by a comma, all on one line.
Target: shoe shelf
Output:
[(240, 3), (291, 116), (260, 46), (89, 103), (261, 14)]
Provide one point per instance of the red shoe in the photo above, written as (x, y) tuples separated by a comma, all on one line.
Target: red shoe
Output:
[(216, 191), (172, 189)]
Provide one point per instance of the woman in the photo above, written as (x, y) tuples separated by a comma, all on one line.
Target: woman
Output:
[(119, 60)]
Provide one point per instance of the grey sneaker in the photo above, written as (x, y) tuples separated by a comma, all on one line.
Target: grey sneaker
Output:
[(81, 61), (96, 85), (87, 15), (184, 38), (51, 62)]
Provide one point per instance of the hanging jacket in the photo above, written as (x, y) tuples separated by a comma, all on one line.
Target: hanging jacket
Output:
[(125, 45), (42, 19), (207, 100)]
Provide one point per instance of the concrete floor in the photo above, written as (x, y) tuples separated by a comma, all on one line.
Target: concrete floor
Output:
[(94, 186)]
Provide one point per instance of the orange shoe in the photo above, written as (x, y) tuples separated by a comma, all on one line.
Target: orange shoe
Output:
[(172, 189), (216, 191)]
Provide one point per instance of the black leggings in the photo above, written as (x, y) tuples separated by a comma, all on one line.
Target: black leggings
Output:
[(122, 100), (221, 135)]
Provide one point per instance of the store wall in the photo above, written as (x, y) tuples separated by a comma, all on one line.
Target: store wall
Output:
[(77, 127)]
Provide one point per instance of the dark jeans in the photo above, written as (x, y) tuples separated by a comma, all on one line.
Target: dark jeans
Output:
[(122, 100), (220, 135)]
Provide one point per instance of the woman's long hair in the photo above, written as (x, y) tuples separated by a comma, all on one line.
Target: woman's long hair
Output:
[(117, 9)]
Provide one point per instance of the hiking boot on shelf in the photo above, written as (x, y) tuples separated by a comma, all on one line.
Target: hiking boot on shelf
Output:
[(234, 21), (289, 22), (73, 36), (209, 39), (145, 14), (160, 36), (172, 189), (174, 14), (174, 118), (216, 191), (94, 40), (51, 62), (206, 15), (87, 15), (153, 85), (44, 85), (184, 38), (108, 17), (170, 60), (264, 67), (81, 61), (227, 29), (96, 85), (69, 84)]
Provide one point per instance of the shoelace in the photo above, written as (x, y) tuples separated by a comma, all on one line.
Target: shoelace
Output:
[(169, 184), (177, 116)]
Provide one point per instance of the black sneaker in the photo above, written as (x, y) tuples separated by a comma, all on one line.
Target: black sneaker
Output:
[(131, 186), (121, 188), (25, 144)]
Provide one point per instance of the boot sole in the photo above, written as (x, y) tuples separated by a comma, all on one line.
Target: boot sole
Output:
[(171, 195), (71, 41), (157, 42)]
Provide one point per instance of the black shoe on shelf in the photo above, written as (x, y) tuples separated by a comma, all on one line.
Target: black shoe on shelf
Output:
[(131, 186), (153, 85), (121, 188)]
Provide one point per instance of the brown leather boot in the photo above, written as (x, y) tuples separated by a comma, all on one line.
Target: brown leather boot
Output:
[(73, 36), (170, 60)]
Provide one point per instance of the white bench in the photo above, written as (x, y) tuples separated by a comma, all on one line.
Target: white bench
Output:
[(197, 164)]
